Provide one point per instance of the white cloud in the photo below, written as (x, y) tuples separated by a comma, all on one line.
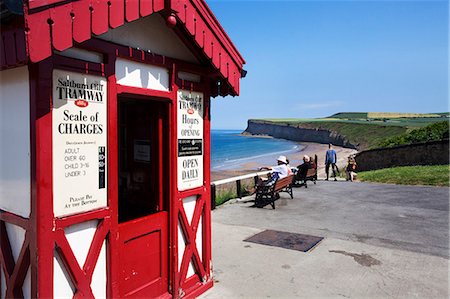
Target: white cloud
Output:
[(320, 105)]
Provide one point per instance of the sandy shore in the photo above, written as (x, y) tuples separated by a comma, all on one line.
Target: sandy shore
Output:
[(295, 158)]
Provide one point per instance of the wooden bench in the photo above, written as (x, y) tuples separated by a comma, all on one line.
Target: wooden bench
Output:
[(311, 175), (269, 194)]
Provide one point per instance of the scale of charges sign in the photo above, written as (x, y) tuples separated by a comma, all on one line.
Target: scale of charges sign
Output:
[(79, 143), (190, 139)]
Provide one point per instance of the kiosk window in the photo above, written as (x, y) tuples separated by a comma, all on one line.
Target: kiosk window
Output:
[(141, 126)]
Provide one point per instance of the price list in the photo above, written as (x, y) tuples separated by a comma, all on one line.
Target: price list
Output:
[(79, 143)]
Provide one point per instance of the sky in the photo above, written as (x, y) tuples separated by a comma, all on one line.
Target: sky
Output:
[(308, 59)]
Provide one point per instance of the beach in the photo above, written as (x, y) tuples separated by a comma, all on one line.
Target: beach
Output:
[(295, 158)]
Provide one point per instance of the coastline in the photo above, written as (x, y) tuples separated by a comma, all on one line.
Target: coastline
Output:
[(295, 158)]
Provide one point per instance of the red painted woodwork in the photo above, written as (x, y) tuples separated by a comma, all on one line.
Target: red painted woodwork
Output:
[(42, 204), (158, 5), (2, 52), (14, 270), (81, 21), (191, 253), (145, 7), (38, 37), (81, 277), (57, 23), (12, 47), (216, 49), (21, 54), (40, 3), (189, 21), (144, 273), (116, 14), (131, 10), (113, 267), (208, 43), (61, 28), (100, 12), (11, 50), (200, 29)]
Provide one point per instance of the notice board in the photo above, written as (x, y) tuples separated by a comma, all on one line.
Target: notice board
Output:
[(190, 139), (79, 131)]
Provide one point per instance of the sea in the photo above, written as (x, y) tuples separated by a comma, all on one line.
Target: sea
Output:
[(230, 150)]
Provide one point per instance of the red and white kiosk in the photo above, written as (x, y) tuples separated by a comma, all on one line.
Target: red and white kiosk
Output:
[(105, 147)]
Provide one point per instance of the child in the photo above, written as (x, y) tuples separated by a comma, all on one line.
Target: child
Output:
[(350, 169)]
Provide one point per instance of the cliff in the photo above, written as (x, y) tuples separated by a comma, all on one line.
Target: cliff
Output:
[(297, 132)]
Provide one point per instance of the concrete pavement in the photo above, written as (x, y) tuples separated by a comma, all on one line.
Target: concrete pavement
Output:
[(380, 241)]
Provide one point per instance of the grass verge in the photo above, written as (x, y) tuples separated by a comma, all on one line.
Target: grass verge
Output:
[(436, 175), (228, 191)]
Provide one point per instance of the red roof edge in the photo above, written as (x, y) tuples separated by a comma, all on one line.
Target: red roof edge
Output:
[(201, 4), (50, 25)]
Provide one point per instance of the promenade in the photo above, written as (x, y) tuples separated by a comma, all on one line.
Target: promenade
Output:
[(380, 241)]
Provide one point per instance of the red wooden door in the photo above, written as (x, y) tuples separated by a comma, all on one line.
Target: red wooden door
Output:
[(143, 201), (144, 256)]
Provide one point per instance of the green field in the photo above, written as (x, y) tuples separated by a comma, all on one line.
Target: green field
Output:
[(385, 115), (436, 175), (365, 129)]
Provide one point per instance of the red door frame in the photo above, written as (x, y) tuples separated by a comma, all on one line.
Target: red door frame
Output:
[(48, 232), (146, 94)]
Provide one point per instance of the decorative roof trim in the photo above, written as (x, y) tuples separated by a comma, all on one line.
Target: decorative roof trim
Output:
[(58, 24)]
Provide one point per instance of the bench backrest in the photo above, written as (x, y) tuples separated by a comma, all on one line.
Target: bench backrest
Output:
[(284, 182), (311, 172)]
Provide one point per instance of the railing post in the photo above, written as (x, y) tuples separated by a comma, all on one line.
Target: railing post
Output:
[(213, 196), (238, 188)]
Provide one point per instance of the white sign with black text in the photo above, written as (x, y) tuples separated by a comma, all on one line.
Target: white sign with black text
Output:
[(190, 139), (79, 143)]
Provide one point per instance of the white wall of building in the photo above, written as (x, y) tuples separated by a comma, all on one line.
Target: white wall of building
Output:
[(150, 34), (135, 74), (15, 141)]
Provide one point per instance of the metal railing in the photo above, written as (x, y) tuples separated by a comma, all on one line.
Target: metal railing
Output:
[(236, 179)]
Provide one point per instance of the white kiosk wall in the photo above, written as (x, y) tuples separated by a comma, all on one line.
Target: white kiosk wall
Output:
[(15, 190), (15, 141)]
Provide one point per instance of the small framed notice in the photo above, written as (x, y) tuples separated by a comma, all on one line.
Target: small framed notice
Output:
[(141, 150)]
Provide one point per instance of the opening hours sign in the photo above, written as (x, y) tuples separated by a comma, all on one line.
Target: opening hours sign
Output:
[(190, 139)]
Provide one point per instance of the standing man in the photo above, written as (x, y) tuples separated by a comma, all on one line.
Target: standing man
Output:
[(330, 159)]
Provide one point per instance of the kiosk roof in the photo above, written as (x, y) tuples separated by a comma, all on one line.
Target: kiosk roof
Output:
[(57, 24)]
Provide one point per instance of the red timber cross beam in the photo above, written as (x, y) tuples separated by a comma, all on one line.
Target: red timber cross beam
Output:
[(81, 277), (15, 270), (191, 252)]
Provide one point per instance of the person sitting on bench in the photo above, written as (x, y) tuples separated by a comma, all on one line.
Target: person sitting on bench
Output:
[(278, 172), (303, 168)]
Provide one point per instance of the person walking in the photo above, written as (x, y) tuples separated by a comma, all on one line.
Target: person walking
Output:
[(330, 160)]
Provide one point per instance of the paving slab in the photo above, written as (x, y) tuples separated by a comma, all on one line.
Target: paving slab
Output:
[(380, 241)]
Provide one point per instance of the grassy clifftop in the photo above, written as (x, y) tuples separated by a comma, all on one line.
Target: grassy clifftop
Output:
[(366, 129)]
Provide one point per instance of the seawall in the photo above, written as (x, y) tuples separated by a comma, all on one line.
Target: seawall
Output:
[(296, 133), (430, 153)]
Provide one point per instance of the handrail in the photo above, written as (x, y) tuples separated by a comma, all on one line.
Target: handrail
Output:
[(241, 177), (236, 179)]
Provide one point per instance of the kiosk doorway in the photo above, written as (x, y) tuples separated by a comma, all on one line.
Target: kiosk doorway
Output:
[(143, 197)]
